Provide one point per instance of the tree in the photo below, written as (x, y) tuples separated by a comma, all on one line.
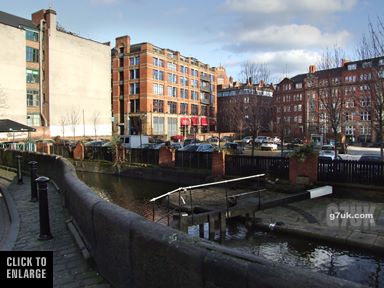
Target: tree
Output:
[(372, 47), (95, 121), (252, 72), (331, 96), (63, 123), (73, 120)]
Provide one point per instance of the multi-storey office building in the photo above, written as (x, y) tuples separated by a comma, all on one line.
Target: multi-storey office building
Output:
[(240, 103), (159, 92), (349, 97), (52, 79)]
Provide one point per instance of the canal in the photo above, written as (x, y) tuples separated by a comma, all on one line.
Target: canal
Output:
[(354, 265)]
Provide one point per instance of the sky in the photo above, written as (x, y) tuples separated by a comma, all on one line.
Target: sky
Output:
[(285, 35)]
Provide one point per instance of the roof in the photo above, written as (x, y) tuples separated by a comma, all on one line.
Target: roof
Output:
[(7, 125), (15, 21), (299, 78)]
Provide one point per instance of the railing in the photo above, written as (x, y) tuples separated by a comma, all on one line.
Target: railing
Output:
[(148, 156), (351, 171), (197, 160), (239, 165)]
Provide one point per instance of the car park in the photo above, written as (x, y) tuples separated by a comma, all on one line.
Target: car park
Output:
[(268, 145)]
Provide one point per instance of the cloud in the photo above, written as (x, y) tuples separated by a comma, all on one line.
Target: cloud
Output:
[(291, 36), (289, 6)]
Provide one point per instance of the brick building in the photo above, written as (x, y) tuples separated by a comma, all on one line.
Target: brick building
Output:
[(51, 76), (159, 92), (238, 102), (346, 97)]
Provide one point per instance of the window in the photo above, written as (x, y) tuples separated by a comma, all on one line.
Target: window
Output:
[(158, 75), (194, 95), (299, 85), (299, 107), (351, 67), (183, 108), (299, 119), (381, 62), (183, 69), (134, 60), (158, 89), (367, 64), (158, 106), (194, 109), (134, 105), (158, 62), (158, 125), (194, 83), (33, 98), (365, 116), (349, 104), (364, 130), (134, 88), (134, 74), (204, 110), (172, 106), (32, 76), (172, 91), (33, 119), (32, 54), (348, 116), (172, 126), (183, 93), (183, 81), (194, 72), (365, 102), (349, 130), (31, 35), (171, 66), (172, 78)]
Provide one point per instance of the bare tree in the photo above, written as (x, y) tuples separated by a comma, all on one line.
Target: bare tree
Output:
[(331, 96), (371, 47), (95, 121), (63, 123), (74, 120), (255, 72)]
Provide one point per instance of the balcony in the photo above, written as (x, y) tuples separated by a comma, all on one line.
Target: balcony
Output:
[(204, 101), (205, 78), (205, 88)]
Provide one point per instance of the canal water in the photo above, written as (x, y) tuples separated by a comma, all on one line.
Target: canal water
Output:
[(354, 265)]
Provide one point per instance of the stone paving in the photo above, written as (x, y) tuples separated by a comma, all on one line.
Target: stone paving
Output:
[(70, 269)]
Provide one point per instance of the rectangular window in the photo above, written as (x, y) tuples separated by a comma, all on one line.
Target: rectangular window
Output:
[(33, 119), (172, 126), (183, 93), (32, 35), (365, 116), (194, 95), (32, 76), (158, 125), (172, 91), (194, 72), (134, 74), (172, 106), (172, 78), (134, 105), (134, 60), (158, 75), (194, 109), (134, 88), (349, 130), (171, 66), (183, 108), (352, 67), (364, 130), (33, 98), (158, 62), (204, 110), (32, 54), (158, 89), (194, 83), (158, 106)]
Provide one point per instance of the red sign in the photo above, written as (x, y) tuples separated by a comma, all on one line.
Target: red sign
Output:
[(184, 121), (204, 121), (195, 120)]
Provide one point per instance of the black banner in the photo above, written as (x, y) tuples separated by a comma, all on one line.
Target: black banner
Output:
[(26, 268)]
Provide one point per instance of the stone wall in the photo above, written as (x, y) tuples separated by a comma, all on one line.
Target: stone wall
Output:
[(131, 251)]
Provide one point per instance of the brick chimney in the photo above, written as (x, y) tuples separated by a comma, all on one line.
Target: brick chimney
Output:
[(343, 62), (312, 69)]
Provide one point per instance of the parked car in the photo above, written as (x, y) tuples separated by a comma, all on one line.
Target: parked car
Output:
[(213, 140), (227, 139), (176, 146), (260, 139), (370, 158), (191, 141), (247, 140), (204, 147), (233, 148), (95, 143), (268, 145), (190, 147)]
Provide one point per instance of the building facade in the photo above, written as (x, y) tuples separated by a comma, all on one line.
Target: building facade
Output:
[(58, 82), (347, 99), (159, 92), (243, 107)]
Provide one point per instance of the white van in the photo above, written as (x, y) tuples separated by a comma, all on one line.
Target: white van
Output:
[(133, 141)]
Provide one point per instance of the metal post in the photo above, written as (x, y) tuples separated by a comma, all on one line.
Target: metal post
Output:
[(33, 165), (19, 174), (45, 230), (190, 199)]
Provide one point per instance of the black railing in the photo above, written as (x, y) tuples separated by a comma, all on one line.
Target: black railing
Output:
[(197, 160), (147, 156), (239, 165), (351, 171)]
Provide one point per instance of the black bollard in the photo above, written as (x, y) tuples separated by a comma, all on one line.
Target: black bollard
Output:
[(33, 165), (19, 175), (45, 230)]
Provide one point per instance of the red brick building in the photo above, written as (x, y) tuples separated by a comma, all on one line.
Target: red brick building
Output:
[(306, 104), (159, 92)]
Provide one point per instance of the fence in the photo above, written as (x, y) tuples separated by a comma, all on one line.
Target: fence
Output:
[(148, 156), (239, 165), (98, 153), (62, 150), (351, 171), (197, 160)]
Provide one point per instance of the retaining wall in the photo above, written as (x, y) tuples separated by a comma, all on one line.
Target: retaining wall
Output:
[(131, 251)]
